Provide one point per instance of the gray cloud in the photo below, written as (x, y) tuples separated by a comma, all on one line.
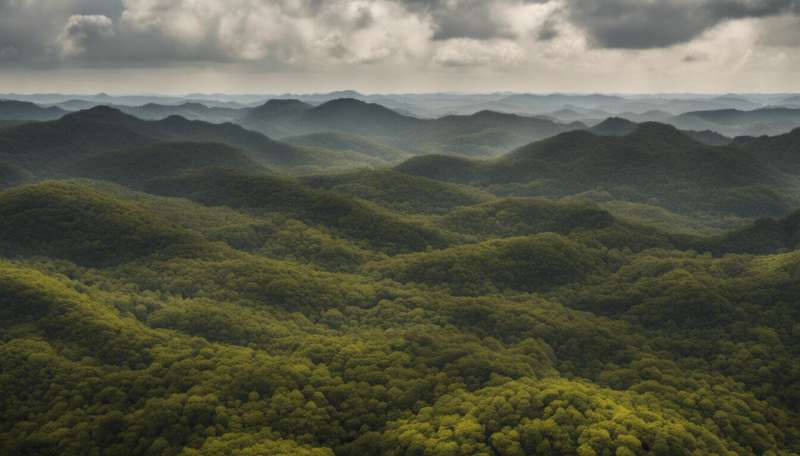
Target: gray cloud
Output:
[(30, 29), (695, 57), (646, 24), (781, 31), (83, 30), (323, 36), (548, 30), (474, 19)]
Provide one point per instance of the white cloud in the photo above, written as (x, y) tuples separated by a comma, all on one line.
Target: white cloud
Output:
[(469, 52), (81, 31)]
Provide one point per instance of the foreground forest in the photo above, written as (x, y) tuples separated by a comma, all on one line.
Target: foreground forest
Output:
[(175, 287)]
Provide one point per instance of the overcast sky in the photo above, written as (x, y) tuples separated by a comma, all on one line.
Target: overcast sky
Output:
[(275, 46)]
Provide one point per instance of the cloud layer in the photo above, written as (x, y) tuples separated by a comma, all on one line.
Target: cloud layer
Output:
[(510, 38)]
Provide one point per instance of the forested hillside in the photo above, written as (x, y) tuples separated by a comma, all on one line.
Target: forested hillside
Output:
[(654, 164), (483, 133), (173, 287)]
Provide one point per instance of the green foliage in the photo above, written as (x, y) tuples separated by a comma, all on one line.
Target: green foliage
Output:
[(53, 148), (398, 191), (762, 237), (69, 221), (524, 216), (382, 313), (655, 164), (779, 151), (348, 143), (11, 175), (372, 226), (535, 263), (135, 167)]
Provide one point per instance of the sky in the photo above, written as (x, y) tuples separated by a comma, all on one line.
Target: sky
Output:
[(395, 46)]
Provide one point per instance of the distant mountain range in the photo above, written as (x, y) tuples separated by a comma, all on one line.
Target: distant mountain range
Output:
[(48, 147), (639, 167), (384, 118), (733, 122), (11, 110), (654, 164), (439, 104), (483, 133)]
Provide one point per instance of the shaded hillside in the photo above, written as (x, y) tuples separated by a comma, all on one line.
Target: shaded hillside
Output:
[(345, 217), (350, 115), (656, 164), (587, 223), (782, 152), (24, 111), (614, 126), (275, 118), (448, 168), (136, 167), (709, 137), (49, 146), (348, 144), (190, 111), (765, 236), (617, 126), (485, 133), (50, 309), (72, 222), (536, 263), (482, 133), (399, 191), (11, 175), (525, 216), (734, 122), (346, 115), (12, 123), (233, 340)]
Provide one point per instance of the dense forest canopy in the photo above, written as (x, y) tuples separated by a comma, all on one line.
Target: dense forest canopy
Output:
[(377, 283)]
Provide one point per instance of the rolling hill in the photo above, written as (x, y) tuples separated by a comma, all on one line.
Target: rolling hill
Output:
[(69, 221), (485, 133), (11, 175), (765, 236), (196, 299), (782, 151), (189, 110), (135, 167), (50, 146), (536, 263), (480, 134), (656, 164), (276, 117), (734, 122), (399, 191), (349, 144), (25, 111), (348, 218), (618, 126)]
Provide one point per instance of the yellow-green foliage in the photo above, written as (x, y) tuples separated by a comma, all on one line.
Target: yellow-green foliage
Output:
[(372, 226), (69, 221), (275, 319), (400, 192), (535, 263)]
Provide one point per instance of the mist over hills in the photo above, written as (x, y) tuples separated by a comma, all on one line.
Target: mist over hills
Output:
[(24, 111), (654, 163), (280, 116), (349, 274)]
